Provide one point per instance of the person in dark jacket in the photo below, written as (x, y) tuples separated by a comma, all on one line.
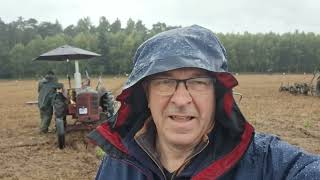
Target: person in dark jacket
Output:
[(47, 89), (178, 120)]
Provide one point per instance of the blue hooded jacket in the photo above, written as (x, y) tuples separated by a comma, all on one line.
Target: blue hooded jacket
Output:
[(234, 150)]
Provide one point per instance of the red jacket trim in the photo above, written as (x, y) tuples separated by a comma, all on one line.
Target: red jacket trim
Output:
[(224, 164), (125, 108), (226, 79), (228, 103), (112, 136)]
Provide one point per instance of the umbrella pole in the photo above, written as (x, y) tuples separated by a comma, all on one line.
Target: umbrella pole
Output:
[(68, 76), (69, 79), (77, 75)]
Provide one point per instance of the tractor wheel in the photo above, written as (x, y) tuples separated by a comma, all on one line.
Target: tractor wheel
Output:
[(318, 88), (304, 90), (292, 90), (60, 125), (312, 90), (60, 109)]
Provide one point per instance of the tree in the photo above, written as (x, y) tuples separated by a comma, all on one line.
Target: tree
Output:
[(18, 60), (130, 26), (70, 31), (104, 25), (140, 28), (116, 26), (5, 64), (158, 27), (48, 29), (103, 46), (84, 25)]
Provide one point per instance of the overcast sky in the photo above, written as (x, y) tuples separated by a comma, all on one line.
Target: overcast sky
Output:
[(218, 15)]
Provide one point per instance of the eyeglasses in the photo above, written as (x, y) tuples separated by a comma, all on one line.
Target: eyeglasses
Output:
[(167, 86)]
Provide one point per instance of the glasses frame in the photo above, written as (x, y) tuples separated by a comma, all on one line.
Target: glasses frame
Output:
[(178, 81)]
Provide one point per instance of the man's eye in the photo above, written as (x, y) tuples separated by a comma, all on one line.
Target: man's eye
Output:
[(165, 81), (199, 82), (162, 82)]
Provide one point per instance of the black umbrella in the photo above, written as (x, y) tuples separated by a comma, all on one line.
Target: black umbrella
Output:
[(66, 53)]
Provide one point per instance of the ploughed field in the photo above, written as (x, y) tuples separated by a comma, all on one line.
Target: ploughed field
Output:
[(25, 154)]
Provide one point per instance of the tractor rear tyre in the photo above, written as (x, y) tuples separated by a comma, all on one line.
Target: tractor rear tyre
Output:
[(304, 90), (318, 88), (60, 132), (60, 109)]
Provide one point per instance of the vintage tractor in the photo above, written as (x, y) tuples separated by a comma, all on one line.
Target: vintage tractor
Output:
[(303, 87), (315, 87), (296, 88), (86, 105)]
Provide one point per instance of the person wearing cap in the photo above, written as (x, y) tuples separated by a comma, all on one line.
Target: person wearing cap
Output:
[(47, 89), (178, 120)]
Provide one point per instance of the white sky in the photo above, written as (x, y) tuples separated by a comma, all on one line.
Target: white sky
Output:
[(218, 15)]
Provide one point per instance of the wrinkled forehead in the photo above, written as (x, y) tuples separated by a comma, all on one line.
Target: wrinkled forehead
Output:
[(187, 72)]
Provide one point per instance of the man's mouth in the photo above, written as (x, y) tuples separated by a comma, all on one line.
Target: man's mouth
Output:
[(181, 118)]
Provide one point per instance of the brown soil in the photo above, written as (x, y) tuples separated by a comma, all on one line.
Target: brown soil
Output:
[(25, 154)]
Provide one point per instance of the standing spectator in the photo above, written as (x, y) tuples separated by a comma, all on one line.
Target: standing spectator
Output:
[(47, 88)]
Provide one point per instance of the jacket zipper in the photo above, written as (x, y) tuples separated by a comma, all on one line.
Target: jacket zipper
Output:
[(174, 174), (187, 161), (152, 159)]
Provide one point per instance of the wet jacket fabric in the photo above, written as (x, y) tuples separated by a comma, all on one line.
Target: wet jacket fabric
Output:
[(232, 149), (267, 157), (46, 89)]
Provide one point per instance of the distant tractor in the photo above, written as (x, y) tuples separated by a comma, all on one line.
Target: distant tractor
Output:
[(88, 106), (296, 88), (303, 87)]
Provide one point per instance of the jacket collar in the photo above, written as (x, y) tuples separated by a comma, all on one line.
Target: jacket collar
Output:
[(146, 139)]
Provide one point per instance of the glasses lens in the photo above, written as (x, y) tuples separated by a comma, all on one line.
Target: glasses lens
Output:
[(201, 85), (166, 87), (163, 86)]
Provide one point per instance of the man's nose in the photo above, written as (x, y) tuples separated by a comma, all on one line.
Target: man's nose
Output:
[(181, 96)]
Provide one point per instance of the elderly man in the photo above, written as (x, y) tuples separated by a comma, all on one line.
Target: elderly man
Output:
[(178, 120), (47, 89)]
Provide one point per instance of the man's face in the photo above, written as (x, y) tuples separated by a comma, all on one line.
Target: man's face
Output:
[(185, 116)]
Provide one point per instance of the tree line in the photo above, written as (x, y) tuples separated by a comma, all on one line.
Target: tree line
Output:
[(25, 39)]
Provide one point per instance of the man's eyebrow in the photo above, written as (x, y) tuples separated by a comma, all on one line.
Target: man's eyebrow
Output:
[(163, 74)]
